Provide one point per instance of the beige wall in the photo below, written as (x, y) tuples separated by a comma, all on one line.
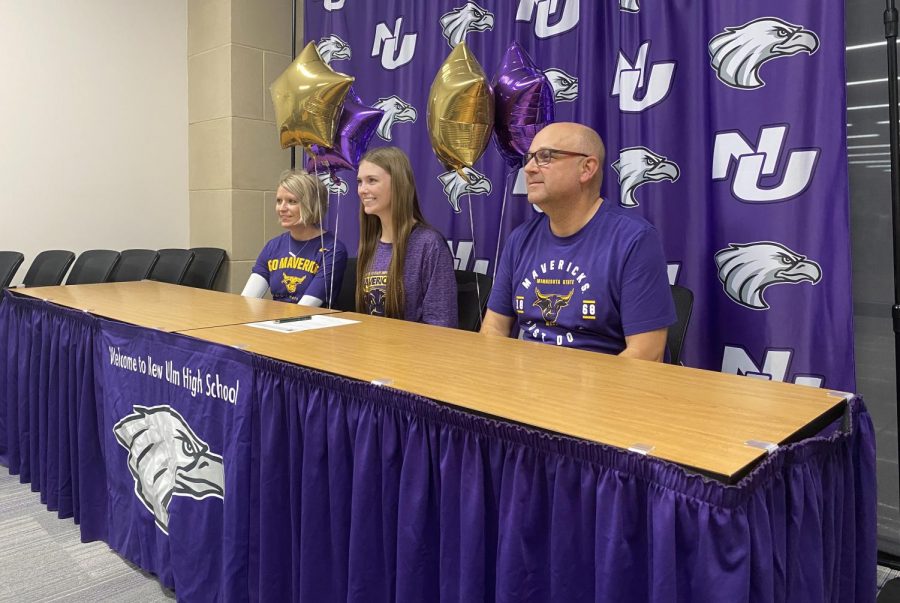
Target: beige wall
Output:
[(93, 125), (236, 48)]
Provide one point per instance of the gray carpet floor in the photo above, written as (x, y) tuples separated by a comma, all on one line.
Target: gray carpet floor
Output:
[(42, 557)]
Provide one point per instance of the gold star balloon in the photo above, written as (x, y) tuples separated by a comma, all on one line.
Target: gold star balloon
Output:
[(460, 111), (308, 97)]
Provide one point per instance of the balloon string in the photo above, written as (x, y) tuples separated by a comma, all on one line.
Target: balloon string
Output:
[(321, 230), (475, 259), (337, 221), (500, 228)]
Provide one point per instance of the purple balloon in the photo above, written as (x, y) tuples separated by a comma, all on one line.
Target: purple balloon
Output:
[(523, 101), (356, 127)]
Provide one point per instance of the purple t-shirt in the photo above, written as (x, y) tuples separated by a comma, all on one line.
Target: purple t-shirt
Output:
[(428, 279), (297, 268), (588, 290)]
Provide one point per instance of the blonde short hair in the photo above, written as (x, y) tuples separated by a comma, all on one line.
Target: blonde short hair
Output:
[(312, 196)]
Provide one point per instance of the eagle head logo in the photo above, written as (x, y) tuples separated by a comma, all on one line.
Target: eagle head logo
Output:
[(166, 459), (455, 186), (292, 282), (375, 301), (550, 304), (332, 48), (629, 6), (334, 183), (396, 110), (460, 21), (738, 53), (746, 271), (640, 165), (565, 86)]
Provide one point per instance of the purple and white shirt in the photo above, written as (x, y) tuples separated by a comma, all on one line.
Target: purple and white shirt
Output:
[(297, 268), (428, 279), (588, 290)]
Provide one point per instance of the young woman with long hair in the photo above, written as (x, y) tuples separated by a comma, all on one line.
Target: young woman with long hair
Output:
[(404, 267)]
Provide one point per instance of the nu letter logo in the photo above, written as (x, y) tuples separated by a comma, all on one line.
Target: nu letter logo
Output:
[(386, 44), (462, 256), (542, 28), (331, 5), (763, 160), (630, 77), (775, 366)]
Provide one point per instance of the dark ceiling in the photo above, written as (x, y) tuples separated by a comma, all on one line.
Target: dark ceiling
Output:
[(867, 135)]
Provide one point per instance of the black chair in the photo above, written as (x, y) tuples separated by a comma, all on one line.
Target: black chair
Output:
[(472, 292), (93, 266), (134, 265), (684, 304), (9, 264), (203, 270), (346, 299), (172, 265), (48, 268)]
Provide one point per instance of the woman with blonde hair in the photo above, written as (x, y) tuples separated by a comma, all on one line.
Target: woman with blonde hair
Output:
[(305, 264), (404, 267)]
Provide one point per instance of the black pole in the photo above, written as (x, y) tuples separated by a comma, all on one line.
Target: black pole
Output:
[(890, 33), (891, 590), (294, 56)]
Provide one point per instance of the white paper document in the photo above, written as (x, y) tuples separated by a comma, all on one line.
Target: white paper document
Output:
[(304, 323)]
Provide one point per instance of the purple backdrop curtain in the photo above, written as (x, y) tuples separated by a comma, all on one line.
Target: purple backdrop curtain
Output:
[(744, 101), (369, 494)]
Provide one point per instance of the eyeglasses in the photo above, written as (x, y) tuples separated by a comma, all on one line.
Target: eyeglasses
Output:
[(543, 156)]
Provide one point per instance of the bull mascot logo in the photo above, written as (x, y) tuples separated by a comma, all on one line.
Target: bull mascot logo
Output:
[(629, 6), (565, 86), (739, 52), (292, 282), (332, 48), (334, 183), (637, 166), (396, 110), (550, 305), (166, 459), (746, 271), (375, 301), (456, 24), (455, 186)]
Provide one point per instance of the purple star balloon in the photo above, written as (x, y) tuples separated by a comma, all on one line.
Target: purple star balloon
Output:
[(523, 101), (356, 127)]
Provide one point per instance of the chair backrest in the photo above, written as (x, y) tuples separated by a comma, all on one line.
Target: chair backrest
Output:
[(172, 265), (346, 299), (473, 290), (93, 266), (684, 304), (9, 264), (134, 265), (203, 270), (48, 268)]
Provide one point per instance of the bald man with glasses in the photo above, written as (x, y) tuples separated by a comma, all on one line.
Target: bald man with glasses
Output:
[(586, 273)]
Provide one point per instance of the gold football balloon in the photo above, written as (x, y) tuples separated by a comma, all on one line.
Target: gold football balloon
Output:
[(308, 97), (460, 110)]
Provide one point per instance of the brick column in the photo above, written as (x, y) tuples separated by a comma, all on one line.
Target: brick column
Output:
[(236, 48)]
